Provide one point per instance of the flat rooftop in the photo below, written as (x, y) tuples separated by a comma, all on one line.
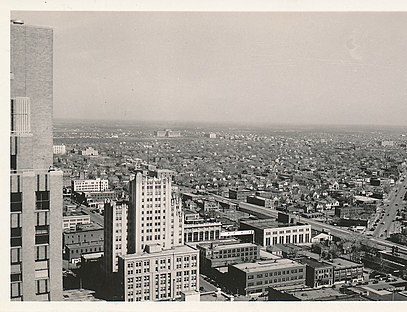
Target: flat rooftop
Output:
[(342, 263), (267, 265), (85, 227), (200, 223), (315, 264), (230, 246), (75, 213), (267, 224), (317, 294), (175, 250)]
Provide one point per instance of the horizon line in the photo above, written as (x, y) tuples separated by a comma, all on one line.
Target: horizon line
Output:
[(237, 123)]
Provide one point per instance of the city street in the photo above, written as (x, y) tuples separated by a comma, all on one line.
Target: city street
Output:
[(319, 226), (94, 216), (386, 225)]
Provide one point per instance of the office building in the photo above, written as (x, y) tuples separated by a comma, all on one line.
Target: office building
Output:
[(218, 253), (167, 133), (318, 274), (260, 201), (73, 218), (155, 213), (59, 149), (157, 265), (36, 188), (347, 271), (200, 231), (160, 133), (94, 199), (84, 239), (269, 232), (257, 277), (115, 227), (89, 151), (96, 185), (173, 133), (158, 274), (240, 194)]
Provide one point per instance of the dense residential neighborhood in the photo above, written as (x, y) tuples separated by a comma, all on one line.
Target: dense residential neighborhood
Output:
[(306, 200)]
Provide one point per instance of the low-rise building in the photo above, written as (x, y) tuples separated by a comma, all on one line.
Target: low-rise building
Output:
[(167, 133), (270, 232), (160, 133), (257, 277), (85, 239), (240, 194), (318, 274), (206, 205), (201, 231), (94, 199), (217, 254), (59, 149), (260, 201), (89, 151), (346, 270), (173, 133), (73, 218), (321, 237), (210, 135), (96, 185)]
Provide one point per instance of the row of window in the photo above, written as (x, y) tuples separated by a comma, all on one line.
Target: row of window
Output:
[(150, 199), (200, 236), (277, 280), (132, 264), (295, 239), (236, 255), (276, 273), (84, 250), (151, 186), (161, 292)]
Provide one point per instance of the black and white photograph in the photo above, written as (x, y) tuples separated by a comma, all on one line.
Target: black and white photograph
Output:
[(231, 156)]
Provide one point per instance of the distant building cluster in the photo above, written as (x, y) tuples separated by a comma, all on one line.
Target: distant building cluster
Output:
[(167, 133), (89, 151)]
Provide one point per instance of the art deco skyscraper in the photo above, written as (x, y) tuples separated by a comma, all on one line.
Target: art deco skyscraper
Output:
[(36, 189), (155, 214), (158, 265)]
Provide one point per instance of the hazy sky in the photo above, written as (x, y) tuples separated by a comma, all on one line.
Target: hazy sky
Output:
[(306, 68)]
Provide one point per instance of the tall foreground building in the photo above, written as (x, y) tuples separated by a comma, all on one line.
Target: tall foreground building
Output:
[(36, 189), (155, 216), (157, 266)]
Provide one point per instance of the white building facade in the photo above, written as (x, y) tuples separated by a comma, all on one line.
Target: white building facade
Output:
[(96, 185)]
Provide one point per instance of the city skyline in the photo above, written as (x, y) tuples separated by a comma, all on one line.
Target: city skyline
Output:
[(207, 157), (284, 67)]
